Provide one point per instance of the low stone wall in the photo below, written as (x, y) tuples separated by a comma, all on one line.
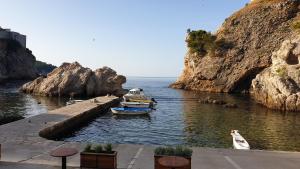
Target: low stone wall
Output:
[(72, 123)]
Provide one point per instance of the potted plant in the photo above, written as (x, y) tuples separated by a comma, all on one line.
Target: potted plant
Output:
[(170, 151), (96, 156)]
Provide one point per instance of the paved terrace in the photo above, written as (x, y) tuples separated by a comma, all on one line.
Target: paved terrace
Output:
[(22, 147)]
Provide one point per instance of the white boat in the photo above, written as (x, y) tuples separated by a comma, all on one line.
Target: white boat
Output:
[(135, 94), (238, 141), (130, 111), (137, 104), (73, 102)]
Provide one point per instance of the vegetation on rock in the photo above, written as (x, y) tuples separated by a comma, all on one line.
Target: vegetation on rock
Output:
[(282, 72), (44, 68), (296, 25), (201, 42)]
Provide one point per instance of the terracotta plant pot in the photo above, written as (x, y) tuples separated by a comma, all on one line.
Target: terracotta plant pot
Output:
[(158, 166), (98, 160)]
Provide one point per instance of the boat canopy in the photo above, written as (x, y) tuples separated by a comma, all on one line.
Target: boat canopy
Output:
[(136, 91)]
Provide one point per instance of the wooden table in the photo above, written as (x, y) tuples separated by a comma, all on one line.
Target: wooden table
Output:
[(63, 153), (173, 162)]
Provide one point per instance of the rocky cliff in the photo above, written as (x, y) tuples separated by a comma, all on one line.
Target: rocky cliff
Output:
[(72, 78), (278, 87), (240, 49), (16, 62)]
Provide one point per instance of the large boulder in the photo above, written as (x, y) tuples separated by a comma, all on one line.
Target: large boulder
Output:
[(278, 87), (72, 78), (248, 38), (105, 81)]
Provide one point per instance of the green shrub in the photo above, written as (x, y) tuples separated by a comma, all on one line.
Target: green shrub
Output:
[(201, 41), (296, 25), (88, 148), (282, 72), (170, 151), (108, 148), (98, 148)]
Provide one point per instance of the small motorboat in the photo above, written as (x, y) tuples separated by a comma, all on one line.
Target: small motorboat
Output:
[(238, 141), (130, 111), (73, 102)]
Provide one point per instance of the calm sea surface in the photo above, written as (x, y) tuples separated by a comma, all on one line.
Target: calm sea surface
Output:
[(179, 119)]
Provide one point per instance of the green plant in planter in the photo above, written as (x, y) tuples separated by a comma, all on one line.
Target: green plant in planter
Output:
[(108, 148), (88, 148), (98, 148), (170, 151)]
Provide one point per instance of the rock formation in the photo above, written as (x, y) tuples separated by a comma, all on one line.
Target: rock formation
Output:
[(16, 62), (278, 87), (248, 38), (72, 78)]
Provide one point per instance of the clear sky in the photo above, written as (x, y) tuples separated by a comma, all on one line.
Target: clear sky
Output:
[(134, 37)]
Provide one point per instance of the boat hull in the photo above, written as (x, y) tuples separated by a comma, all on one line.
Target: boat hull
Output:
[(239, 142), (135, 104), (130, 111)]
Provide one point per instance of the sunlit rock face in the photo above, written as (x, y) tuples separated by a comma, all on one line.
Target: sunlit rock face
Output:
[(73, 79), (250, 36), (278, 87)]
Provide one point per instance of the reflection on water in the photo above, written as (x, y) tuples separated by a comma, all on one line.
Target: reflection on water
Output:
[(209, 125), (181, 119), (16, 105)]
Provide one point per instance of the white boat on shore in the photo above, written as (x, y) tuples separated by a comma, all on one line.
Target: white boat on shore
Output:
[(130, 111), (238, 141)]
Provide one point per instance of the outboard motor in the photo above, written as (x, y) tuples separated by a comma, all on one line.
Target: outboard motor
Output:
[(152, 99)]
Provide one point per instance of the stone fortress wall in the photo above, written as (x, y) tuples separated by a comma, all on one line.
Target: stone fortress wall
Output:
[(10, 35)]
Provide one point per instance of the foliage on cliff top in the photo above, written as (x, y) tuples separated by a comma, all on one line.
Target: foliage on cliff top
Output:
[(44, 68), (201, 42)]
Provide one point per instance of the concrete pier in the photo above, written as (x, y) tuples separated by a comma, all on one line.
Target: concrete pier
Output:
[(22, 146)]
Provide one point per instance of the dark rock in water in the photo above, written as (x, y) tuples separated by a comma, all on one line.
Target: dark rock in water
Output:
[(209, 100), (230, 105), (240, 49), (72, 78)]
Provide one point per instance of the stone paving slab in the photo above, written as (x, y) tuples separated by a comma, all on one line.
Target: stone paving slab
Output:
[(9, 165)]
